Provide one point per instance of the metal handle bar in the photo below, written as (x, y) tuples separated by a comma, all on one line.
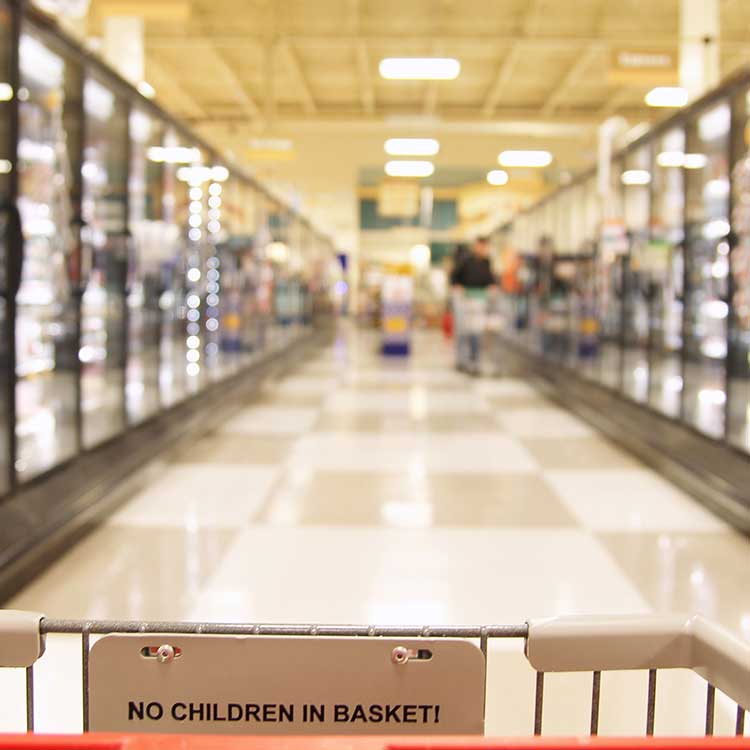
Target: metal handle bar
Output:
[(559, 644)]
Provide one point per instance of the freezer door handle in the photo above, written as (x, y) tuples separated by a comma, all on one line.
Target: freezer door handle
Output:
[(13, 236)]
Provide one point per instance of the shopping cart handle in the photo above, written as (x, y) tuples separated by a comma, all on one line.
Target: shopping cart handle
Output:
[(21, 640), (577, 644)]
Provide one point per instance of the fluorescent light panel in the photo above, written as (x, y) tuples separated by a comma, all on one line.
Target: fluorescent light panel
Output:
[(174, 154), (679, 159), (497, 177), (525, 159), (636, 177), (409, 168), (412, 146), (420, 68), (146, 89), (667, 96), (670, 159)]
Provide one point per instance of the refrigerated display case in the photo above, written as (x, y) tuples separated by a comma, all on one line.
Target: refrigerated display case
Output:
[(117, 212), (671, 290), (738, 360), (9, 247), (610, 280), (706, 311), (46, 326), (638, 287), (151, 237), (106, 250), (177, 311), (667, 268)]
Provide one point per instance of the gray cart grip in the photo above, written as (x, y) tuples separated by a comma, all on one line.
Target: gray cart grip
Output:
[(21, 640), (578, 644)]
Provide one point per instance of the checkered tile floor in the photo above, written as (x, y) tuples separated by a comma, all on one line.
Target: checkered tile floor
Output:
[(400, 492)]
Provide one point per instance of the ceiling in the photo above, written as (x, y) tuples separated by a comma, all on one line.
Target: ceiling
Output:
[(534, 74)]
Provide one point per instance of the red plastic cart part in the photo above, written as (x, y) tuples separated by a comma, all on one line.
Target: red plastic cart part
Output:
[(95, 741)]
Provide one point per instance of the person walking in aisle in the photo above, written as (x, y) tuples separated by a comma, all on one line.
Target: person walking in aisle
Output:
[(471, 280)]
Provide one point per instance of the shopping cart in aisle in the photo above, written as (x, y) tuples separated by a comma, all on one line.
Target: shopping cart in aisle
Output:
[(156, 678), (479, 318)]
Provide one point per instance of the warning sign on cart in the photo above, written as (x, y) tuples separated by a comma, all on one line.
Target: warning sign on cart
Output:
[(216, 684)]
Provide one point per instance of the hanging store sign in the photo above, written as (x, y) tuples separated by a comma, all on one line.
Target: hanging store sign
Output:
[(398, 199), (643, 66), (208, 684)]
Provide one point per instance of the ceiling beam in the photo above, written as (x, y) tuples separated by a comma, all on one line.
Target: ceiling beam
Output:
[(366, 87), (164, 81), (502, 79), (308, 100), (644, 40), (574, 73), (247, 103), (522, 120), (530, 21), (615, 102)]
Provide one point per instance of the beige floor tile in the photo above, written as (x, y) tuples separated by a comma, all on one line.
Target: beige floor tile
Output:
[(236, 448), (364, 422), (578, 453), (701, 573), (373, 499), (288, 400), (502, 403)]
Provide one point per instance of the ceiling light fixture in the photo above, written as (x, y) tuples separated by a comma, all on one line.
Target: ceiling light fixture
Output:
[(412, 146), (636, 177), (669, 159), (695, 161), (146, 89), (409, 168), (420, 68), (174, 154), (497, 177), (667, 96), (525, 159), (678, 159)]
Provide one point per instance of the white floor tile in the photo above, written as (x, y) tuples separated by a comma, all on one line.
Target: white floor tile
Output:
[(306, 384), (271, 420), (197, 495), (417, 401), (436, 576), (403, 375), (629, 500), (455, 452)]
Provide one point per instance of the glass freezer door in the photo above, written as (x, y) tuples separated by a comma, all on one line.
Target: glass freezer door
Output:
[(7, 265), (707, 270), (102, 352), (151, 242), (46, 343)]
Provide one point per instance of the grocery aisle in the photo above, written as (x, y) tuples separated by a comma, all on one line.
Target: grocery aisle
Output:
[(363, 490)]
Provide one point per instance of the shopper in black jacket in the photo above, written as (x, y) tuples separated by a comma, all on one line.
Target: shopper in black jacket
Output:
[(475, 271), (470, 279)]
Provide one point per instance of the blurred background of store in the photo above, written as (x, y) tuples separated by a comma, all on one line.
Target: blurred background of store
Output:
[(198, 182)]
